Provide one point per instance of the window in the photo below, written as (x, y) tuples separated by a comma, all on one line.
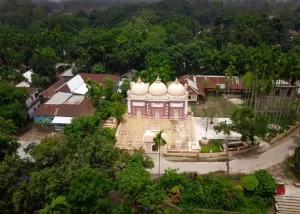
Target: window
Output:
[(289, 92), (31, 98), (36, 95), (189, 97), (154, 148), (277, 92)]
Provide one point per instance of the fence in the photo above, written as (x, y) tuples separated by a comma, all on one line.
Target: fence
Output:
[(285, 133)]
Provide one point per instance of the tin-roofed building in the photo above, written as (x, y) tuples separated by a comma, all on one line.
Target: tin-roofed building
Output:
[(61, 108)]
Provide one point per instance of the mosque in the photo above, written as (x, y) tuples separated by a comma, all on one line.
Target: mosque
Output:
[(158, 100)]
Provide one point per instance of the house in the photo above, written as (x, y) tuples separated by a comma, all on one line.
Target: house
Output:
[(200, 85), (75, 85), (157, 100), (61, 108), (33, 100)]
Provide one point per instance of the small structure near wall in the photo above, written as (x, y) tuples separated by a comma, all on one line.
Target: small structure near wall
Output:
[(149, 145), (157, 101)]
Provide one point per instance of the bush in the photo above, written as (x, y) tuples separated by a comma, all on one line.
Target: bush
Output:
[(266, 184), (249, 182), (172, 178)]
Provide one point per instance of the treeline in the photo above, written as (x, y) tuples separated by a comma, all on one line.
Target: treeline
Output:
[(169, 38)]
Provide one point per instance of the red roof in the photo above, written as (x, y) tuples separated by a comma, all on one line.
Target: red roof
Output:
[(99, 77), (83, 108), (196, 83), (49, 92)]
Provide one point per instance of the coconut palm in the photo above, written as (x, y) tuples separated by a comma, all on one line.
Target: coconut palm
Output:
[(95, 92), (158, 142), (59, 205), (217, 89), (205, 83)]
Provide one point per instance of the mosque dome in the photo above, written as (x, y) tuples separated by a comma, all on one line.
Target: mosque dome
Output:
[(158, 88), (176, 89), (139, 88)]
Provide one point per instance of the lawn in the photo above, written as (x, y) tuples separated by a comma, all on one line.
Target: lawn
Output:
[(220, 105), (213, 145)]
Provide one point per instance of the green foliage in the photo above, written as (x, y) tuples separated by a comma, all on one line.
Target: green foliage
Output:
[(89, 186), (249, 182), (7, 138), (125, 86), (43, 65), (266, 184), (12, 103), (58, 205)]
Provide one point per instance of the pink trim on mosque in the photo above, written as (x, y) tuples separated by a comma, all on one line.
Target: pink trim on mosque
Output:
[(157, 101)]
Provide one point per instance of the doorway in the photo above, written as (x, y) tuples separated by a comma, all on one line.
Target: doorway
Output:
[(176, 114), (157, 114), (139, 113)]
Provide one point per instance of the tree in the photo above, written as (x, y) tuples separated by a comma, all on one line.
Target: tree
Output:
[(245, 122), (226, 129), (205, 83), (95, 92), (8, 139), (125, 86), (59, 205), (12, 103), (89, 187), (217, 89), (43, 63), (158, 142)]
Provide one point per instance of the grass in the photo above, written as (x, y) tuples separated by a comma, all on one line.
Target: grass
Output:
[(213, 145), (219, 105)]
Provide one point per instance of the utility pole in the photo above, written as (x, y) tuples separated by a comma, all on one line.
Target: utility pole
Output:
[(227, 154)]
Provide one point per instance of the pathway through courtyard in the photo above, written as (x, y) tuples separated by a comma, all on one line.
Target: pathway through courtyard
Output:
[(275, 155)]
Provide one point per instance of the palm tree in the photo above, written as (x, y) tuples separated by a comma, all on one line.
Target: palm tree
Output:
[(158, 142), (205, 83), (58, 205), (95, 92), (217, 89)]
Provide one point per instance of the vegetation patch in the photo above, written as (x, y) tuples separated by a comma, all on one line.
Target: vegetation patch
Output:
[(213, 145)]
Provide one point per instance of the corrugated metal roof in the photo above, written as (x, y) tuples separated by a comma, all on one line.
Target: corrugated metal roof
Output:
[(28, 75), (59, 98), (62, 120), (67, 73), (75, 100), (75, 82), (82, 89), (23, 84)]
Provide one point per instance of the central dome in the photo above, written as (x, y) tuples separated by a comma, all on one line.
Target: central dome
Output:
[(176, 89), (158, 88), (139, 88)]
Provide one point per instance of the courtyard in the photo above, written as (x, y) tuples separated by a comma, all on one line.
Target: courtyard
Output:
[(131, 130)]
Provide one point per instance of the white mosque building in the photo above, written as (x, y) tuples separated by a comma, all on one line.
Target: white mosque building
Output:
[(158, 100)]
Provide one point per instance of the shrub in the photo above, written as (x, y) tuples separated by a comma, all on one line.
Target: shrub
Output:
[(172, 178), (249, 182), (266, 184)]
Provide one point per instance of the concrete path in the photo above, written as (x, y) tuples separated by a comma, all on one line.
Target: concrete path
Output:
[(249, 163)]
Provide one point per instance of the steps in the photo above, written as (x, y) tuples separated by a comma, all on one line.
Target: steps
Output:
[(287, 204)]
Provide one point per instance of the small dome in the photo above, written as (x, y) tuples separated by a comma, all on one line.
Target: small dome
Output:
[(176, 89), (139, 88), (158, 88)]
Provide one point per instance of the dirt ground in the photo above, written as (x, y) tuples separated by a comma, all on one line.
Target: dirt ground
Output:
[(220, 105), (31, 133), (283, 172)]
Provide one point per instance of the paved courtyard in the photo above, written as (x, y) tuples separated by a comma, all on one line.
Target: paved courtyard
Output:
[(131, 131), (202, 122)]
